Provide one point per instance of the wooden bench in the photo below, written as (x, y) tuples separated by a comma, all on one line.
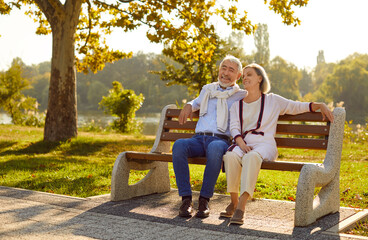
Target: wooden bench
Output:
[(304, 131)]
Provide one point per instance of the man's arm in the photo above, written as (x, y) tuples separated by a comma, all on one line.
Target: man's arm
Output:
[(187, 110)]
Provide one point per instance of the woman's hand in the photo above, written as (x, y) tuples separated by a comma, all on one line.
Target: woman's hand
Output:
[(326, 113), (243, 146)]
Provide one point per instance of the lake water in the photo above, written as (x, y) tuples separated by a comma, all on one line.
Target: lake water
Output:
[(150, 121)]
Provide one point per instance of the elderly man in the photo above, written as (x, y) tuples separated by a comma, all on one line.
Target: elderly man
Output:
[(212, 136)]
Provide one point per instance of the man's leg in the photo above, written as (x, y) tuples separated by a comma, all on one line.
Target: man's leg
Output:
[(215, 149), (182, 149)]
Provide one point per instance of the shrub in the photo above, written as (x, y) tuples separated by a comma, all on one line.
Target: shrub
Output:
[(123, 103), (22, 109), (357, 133)]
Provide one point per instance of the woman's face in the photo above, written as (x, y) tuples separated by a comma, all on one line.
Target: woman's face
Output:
[(251, 80)]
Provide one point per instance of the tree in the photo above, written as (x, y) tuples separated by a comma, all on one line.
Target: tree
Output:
[(81, 25), (284, 78), (348, 83), (261, 41), (22, 109), (122, 103), (95, 91), (193, 73), (133, 73), (235, 45), (321, 57), (320, 74), (321, 71), (305, 83), (39, 80)]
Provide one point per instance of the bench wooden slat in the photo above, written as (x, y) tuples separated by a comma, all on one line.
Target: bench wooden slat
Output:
[(292, 129), (162, 157), (171, 136), (165, 157), (304, 117), (174, 113), (189, 125), (315, 130), (308, 143), (283, 166)]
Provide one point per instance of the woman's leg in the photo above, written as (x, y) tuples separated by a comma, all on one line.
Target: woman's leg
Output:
[(251, 162), (233, 172), (234, 198), (233, 169)]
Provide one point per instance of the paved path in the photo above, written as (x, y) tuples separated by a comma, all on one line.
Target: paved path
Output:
[(28, 214)]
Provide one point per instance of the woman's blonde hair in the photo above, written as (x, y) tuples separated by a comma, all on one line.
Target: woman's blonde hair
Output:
[(265, 85)]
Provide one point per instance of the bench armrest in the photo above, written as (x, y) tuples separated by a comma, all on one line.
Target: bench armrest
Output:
[(335, 140)]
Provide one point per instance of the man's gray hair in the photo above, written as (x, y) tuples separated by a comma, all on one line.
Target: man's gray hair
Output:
[(235, 60)]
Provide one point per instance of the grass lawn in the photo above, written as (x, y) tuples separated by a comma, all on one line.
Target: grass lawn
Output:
[(82, 167)]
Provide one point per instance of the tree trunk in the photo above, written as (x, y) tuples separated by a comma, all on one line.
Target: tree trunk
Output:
[(61, 117)]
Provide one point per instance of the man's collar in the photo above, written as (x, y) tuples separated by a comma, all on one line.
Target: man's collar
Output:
[(222, 89)]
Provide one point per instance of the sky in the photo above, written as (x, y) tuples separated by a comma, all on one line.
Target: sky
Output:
[(338, 27)]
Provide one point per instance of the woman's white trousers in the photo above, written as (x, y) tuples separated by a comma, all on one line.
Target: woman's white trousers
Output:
[(243, 170)]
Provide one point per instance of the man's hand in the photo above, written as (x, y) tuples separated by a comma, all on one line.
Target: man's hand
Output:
[(185, 113)]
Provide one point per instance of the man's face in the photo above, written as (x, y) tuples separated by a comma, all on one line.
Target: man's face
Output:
[(228, 73)]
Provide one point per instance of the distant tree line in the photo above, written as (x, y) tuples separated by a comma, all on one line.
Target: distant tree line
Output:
[(345, 81), (133, 73), (162, 80)]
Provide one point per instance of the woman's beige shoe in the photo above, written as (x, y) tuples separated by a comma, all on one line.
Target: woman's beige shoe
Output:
[(229, 211), (238, 217)]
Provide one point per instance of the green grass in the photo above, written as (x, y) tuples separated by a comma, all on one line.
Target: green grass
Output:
[(82, 166), (360, 229)]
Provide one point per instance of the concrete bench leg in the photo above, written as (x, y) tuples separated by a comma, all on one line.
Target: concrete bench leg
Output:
[(327, 175), (307, 208), (156, 181)]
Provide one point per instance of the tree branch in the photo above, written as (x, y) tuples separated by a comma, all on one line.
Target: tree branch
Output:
[(51, 8), (183, 14), (89, 23), (126, 1), (123, 11), (73, 10)]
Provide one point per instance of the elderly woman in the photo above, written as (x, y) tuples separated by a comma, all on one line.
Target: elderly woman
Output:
[(253, 123)]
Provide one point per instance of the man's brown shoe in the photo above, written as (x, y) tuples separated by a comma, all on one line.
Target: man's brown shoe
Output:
[(203, 209), (186, 208)]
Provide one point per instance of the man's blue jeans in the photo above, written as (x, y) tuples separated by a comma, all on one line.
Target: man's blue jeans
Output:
[(198, 146)]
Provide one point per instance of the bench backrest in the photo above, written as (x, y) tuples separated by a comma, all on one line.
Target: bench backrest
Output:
[(306, 130)]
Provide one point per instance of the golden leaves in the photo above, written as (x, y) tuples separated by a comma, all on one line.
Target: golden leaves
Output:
[(283, 7), (186, 28)]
